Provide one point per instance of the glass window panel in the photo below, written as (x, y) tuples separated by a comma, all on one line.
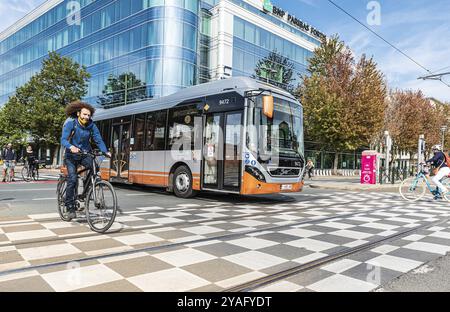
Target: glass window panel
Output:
[(191, 5), (154, 72), (155, 32), (135, 38), (125, 8), (238, 28), (96, 21), (136, 6), (177, 3), (189, 37), (172, 72), (238, 59), (173, 33), (249, 33)]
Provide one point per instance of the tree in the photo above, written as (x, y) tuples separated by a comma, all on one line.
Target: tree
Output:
[(409, 115), (37, 108), (124, 89), (276, 69), (343, 100)]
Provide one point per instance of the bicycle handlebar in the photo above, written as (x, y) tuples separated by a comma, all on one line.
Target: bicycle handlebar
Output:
[(94, 153)]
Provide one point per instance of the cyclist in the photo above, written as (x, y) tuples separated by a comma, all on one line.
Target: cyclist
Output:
[(439, 162), (9, 161), (31, 159), (77, 132)]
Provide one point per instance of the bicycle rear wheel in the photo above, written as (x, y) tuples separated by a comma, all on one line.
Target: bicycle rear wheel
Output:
[(101, 206), (413, 189), (61, 198)]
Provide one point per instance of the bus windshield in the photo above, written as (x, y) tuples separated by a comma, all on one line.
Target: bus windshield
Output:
[(279, 136)]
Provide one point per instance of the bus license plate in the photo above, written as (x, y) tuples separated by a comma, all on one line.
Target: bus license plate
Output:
[(285, 187)]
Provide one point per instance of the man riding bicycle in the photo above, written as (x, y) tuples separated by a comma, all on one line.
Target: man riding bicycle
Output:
[(439, 162), (77, 132), (9, 161)]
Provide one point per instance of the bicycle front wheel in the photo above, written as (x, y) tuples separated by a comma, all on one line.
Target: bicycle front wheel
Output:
[(413, 189), (25, 174), (61, 198), (101, 206)]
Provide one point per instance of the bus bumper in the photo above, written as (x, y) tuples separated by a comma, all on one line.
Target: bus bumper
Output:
[(251, 186)]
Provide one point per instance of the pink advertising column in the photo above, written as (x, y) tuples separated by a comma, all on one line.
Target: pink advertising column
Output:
[(369, 167)]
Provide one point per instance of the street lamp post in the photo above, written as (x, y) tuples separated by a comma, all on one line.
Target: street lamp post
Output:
[(443, 129)]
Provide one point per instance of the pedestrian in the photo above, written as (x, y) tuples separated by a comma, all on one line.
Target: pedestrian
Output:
[(310, 168), (9, 161), (31, 159)]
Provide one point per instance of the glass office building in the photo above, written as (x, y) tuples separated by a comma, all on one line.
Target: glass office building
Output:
[(140, 49)]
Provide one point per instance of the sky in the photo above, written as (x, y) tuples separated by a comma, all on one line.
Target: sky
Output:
[(419, 28)]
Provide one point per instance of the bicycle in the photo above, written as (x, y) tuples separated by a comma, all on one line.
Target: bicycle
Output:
[(414, 188), (7, 165), (28, 174), (98, 201)]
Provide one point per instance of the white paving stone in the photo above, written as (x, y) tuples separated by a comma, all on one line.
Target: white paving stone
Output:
[(340, 283), (171, 280), (394, 263)]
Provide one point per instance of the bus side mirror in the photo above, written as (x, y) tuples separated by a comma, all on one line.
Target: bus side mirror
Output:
[(268, 106)]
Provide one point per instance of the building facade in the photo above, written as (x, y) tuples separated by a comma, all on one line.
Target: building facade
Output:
[(141, 49)]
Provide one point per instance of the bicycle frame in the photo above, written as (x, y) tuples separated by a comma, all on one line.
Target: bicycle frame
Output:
[(419, 176)]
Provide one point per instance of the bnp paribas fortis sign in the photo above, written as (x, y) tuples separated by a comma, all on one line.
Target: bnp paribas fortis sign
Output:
[(268, 7)]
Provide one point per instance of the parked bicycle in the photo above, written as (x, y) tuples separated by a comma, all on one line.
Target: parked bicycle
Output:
[(97, 202), (414, 188)]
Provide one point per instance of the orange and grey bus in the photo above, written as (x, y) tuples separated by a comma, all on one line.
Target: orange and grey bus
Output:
[(236, 135)]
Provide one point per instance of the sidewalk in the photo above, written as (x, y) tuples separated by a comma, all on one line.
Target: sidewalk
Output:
[(348, 184)]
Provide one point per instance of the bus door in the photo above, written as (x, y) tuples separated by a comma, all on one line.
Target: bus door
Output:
[(222, 151), (120, 161)]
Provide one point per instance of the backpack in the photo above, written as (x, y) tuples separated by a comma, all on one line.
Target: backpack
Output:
[(447, 159)]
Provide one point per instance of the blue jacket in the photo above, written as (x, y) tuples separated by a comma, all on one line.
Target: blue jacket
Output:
[(438, 160), (81, 136)]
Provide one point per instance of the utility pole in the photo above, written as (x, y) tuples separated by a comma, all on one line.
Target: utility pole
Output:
[(443, 129), (420, 150), (388, 151)]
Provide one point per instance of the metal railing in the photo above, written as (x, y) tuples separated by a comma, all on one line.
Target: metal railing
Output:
[(394, 175)]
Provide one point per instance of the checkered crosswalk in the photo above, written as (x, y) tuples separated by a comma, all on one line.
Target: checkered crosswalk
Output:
[(212, 247)]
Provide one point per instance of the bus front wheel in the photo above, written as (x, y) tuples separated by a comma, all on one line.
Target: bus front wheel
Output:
[(182, 183)]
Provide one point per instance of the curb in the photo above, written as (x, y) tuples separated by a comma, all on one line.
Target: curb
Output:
[(355, 188)]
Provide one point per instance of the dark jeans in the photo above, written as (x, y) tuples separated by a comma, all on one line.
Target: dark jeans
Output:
[(72, 162)]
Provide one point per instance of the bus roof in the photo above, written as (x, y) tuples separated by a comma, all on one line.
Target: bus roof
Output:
[(236, 84)]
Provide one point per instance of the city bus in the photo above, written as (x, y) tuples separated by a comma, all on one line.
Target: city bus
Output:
[(235, 135)]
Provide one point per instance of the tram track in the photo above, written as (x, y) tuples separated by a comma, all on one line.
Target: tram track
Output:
[(281, 275), (150, 227), (172, 245)]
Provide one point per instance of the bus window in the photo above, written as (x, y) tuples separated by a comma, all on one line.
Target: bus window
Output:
[(181, 126), (138, 133), (156, 126), (160, 131)]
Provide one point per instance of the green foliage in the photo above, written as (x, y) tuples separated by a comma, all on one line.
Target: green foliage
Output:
[(276, 69), (37, 108), (124, 89)]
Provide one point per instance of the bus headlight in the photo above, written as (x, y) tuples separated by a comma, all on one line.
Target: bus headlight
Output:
[(256, 173)]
